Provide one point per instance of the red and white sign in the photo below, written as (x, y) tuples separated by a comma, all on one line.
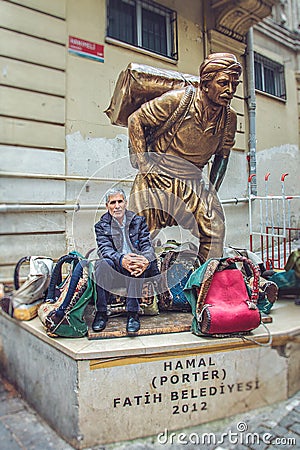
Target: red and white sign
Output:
[(86, 49)]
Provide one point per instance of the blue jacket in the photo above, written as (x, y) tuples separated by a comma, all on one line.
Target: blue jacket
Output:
[(110, 238)]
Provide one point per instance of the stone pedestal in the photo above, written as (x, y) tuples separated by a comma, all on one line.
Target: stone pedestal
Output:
[(102, 391)]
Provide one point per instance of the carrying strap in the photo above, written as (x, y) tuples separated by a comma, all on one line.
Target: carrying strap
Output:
[(261, 344), (17, 271), (176, 117), (56, 276), (255, 272), (226, 127), (71, 302), (76, 276)]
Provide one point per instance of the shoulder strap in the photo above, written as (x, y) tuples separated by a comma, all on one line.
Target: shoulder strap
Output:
[(76, 276), (17, 271), (56, 277), (176, 117), (226, 127)]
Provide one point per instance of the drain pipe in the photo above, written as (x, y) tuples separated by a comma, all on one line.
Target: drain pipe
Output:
[(204, 29), (251, 110)]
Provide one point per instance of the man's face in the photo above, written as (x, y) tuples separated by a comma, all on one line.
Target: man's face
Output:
[(221, 89), (116, 206)]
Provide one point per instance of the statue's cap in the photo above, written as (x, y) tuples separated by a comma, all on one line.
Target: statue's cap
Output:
[(217, 62)]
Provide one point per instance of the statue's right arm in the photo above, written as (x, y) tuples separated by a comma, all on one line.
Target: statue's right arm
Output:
[(151, 115), (137, 139)]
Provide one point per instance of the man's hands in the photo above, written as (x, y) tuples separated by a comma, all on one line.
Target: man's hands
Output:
[(135, 264)]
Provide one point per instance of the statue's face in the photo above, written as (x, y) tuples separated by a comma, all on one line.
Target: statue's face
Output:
[(221, 89)]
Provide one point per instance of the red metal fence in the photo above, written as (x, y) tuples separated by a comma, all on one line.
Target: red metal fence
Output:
[(274, 230)]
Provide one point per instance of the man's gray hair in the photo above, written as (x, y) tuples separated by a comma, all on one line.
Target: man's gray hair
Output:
[(114, 191)]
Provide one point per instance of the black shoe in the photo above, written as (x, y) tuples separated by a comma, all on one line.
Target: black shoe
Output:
[(100, 321), (133, 323)]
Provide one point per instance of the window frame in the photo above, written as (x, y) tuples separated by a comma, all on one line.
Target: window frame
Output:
[(275, 68), (171, 29)]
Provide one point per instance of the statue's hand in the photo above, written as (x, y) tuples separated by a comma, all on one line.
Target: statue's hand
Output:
[(146, 167), (209, 202)]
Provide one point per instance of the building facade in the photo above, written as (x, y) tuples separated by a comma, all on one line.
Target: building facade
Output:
[(60, 60)]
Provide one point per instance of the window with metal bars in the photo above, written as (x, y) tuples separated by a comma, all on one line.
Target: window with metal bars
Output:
[(269, 76), (143, 24)]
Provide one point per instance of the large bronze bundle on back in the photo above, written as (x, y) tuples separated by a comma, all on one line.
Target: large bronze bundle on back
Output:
[(138, 84)]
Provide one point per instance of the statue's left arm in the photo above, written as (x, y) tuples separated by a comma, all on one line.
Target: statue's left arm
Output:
[(218, 170), (221, 157)]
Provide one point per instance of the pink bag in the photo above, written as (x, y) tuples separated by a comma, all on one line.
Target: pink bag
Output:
[(227, 308)]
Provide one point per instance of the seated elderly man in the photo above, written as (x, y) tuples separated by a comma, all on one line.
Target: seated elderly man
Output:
[(126, 257)]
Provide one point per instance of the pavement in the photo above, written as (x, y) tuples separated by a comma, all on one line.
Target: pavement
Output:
[(272, 427)]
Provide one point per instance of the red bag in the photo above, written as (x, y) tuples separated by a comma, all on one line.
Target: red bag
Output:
[(227, 308)]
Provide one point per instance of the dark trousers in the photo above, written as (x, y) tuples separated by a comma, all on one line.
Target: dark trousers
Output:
[(110, 276)]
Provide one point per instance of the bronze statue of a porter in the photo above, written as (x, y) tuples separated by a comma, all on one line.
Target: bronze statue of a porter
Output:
[(172, 138)]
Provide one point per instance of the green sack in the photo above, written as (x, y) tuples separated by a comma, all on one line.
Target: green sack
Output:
[(286, 280), (73, 324), (63, 317)]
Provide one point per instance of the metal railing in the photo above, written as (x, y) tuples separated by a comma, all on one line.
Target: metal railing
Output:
[(275, 229)]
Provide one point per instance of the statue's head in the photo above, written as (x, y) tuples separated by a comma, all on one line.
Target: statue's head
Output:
[(219, 77)]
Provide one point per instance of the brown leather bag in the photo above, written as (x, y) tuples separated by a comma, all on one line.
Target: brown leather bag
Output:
[(138, 84)]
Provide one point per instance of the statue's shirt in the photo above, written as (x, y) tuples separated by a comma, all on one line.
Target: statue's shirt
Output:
[(199, 136)]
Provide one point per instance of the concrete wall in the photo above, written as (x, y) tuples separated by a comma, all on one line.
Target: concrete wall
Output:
[(32, 126)]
